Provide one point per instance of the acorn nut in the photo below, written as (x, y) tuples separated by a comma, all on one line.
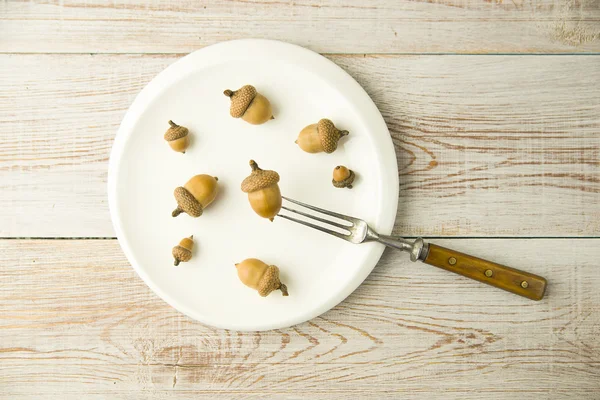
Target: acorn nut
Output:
[(178, 137), (260, 276), (322, 136), (249, 105), (193, 197), (183, 251), (263, 191), (342, 177)]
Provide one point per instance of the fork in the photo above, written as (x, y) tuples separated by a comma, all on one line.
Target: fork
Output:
[(358, 231)]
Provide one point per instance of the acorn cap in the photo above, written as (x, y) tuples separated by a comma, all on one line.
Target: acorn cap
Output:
[(175, 132), (329, 135), (240, 100), (186, 203), (259, 179), (270, 282), (346, 182), (181, 254)]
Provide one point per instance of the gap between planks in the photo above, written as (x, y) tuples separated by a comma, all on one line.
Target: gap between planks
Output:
[(405, 237), (328, 54)]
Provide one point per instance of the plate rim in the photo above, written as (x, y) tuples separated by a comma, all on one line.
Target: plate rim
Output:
[(352, 90)]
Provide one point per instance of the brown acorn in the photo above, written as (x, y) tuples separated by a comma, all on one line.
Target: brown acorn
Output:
[(322, 136), (193, 197), (260, 276), (249, 105), (342, 177), (178, 137), (183, 251), (263, 191)]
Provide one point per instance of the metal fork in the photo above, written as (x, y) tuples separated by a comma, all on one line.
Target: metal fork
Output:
[(358, 231)]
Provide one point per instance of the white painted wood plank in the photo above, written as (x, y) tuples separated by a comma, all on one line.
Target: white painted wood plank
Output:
[(76, 322), (331, 26), (486, 145)]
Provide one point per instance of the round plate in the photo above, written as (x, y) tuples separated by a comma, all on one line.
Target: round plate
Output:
[(303, 87)]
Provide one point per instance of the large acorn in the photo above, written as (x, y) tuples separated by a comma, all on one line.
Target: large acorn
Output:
[(183, 251), (178, 137), (260, 276), (322, 136), (343, 177), (263, 191), (249, 105), (193, 197)]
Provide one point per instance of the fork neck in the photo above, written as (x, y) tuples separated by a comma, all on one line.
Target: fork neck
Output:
[(417, 249)]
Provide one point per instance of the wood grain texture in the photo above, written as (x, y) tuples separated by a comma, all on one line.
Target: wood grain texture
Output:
[(76, 322), (486, 145), (337, 26)]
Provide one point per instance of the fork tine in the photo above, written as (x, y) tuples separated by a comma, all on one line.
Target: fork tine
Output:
[(317, 227), (326, 221), (322, 211)]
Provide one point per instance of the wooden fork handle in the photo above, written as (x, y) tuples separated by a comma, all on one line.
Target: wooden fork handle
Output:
[(506, 278)]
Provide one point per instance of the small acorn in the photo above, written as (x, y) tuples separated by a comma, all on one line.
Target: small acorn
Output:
[(193, 197), (322, 136), (183, 251), (342, 177), (178, 137), (263, 191), (260, 276), (249, 105)]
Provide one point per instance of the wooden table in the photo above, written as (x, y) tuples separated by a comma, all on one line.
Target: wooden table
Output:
[(494, 110)]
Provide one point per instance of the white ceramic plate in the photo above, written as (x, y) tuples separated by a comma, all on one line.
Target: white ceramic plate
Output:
[(319, 270)]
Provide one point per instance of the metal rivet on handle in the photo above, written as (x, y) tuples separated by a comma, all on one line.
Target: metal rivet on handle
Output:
[(524, 284), (488, 273), (452, 261)]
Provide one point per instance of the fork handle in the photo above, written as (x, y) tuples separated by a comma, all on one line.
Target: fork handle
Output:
[(503, 277)]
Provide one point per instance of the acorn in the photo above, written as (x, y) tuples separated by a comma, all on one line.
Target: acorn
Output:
[(322, 136), (183, 251), (260, 276), (178, 137), (263, 191), (342, 177), (249, 105), (193, 197)]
